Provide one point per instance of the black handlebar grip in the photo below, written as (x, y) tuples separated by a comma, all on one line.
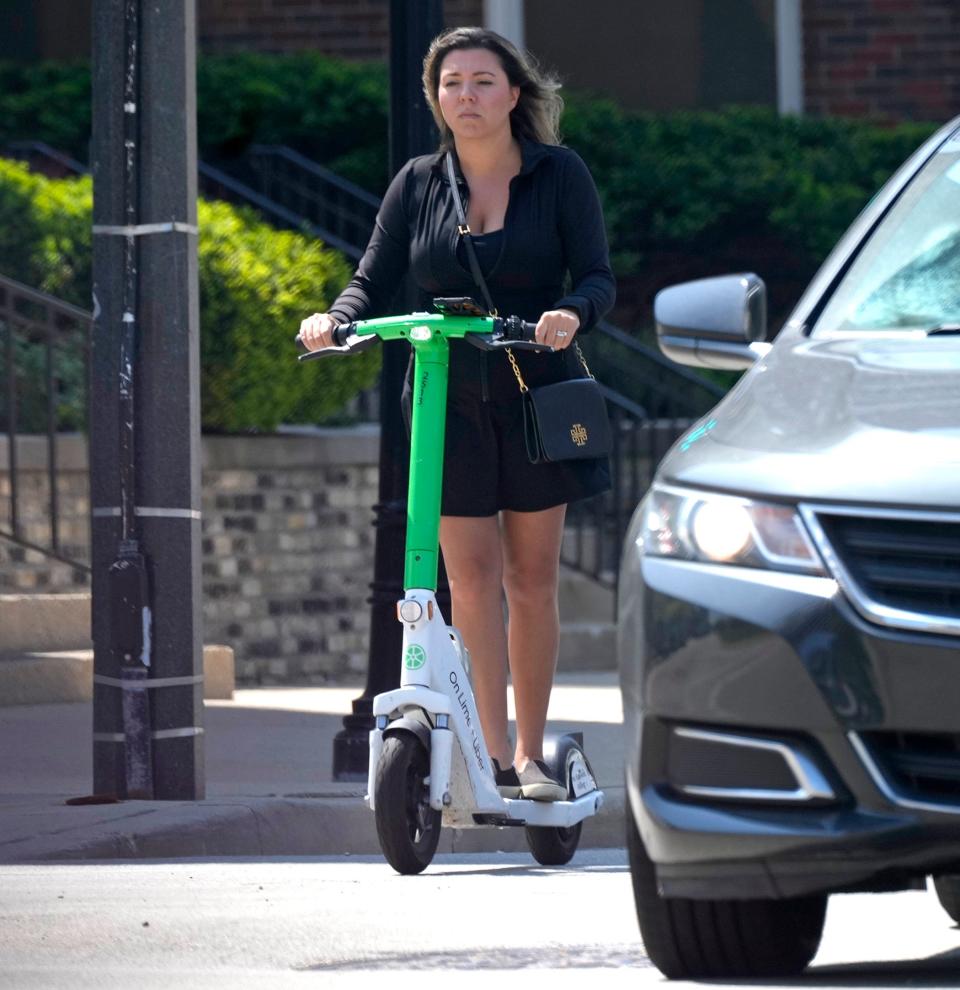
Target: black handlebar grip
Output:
[(516, 329), (342, 333)]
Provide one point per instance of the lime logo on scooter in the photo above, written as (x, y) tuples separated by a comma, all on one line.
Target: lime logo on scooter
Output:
[(414, 657)]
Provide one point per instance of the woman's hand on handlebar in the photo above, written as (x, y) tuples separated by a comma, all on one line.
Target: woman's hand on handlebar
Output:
[(557, 328), (316, 331)]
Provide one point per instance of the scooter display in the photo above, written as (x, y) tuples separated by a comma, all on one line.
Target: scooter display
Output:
[(429, 765)]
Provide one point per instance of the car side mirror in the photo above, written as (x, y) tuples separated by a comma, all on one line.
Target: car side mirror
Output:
[(716, 322)]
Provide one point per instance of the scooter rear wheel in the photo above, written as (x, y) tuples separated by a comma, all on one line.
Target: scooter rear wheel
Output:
[(552, 845), (407, 827)]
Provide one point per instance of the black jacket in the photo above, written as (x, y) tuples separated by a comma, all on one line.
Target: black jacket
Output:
[(553, 227)]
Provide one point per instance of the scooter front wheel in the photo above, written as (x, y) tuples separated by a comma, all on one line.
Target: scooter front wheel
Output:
[(407, 827)]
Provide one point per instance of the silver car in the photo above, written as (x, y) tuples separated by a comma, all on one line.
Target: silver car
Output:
[(789, 599)]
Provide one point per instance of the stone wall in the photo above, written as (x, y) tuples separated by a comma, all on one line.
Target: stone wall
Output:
[(287, 545)]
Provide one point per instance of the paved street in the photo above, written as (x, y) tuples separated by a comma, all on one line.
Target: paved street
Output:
[(352, 922)]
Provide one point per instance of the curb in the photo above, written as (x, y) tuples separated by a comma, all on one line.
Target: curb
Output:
[(321, 825)]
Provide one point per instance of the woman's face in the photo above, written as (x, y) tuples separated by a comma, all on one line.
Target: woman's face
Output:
[(475, 95)]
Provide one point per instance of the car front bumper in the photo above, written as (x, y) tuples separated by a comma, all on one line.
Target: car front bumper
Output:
[(777, 660)]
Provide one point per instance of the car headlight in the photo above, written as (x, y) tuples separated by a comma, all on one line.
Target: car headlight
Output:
[(725, 529)]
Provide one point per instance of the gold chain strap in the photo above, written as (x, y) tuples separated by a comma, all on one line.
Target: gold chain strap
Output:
[(583, 360), (516, 371), (523, 384)]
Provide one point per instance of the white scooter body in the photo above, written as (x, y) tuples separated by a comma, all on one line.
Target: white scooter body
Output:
[(435, 690)]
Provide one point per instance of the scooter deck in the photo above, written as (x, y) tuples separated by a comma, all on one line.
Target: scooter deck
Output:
[(523, 812)]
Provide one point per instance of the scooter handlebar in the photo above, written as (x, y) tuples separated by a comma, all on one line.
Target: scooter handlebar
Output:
[(509, 331)]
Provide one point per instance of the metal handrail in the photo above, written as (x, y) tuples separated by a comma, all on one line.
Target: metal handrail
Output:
[(654, 357), (313, 168), (343, 211), (33, 319), (217, 184), (35, 152)]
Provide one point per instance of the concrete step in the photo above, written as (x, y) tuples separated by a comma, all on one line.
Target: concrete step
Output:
[(587, 646), (43, 677), (44, 623)]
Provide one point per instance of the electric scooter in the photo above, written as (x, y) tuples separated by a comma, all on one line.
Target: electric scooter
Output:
[(429, 764)]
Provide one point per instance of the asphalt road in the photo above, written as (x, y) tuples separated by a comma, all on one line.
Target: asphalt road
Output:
[(471, 918)]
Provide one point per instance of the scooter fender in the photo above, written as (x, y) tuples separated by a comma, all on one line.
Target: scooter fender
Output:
[(405, 723), (408, 724)]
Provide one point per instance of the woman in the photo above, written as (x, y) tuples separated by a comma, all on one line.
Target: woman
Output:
[(535, 218)]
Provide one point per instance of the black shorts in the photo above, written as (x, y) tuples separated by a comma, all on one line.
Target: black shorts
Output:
[(486, 468)]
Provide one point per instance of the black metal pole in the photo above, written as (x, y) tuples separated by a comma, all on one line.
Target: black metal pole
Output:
[(144, 421), (413, 25)]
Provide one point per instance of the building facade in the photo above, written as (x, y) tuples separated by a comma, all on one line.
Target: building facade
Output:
[(887, 60)]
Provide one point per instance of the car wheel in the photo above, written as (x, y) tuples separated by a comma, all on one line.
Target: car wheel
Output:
[(948, 893), (687, 939)]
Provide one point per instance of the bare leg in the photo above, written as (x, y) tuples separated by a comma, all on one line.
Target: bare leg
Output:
[(531, 569), (471, 554)]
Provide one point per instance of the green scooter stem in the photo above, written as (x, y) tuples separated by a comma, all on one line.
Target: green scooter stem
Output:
[(431, 367), (428, 333)]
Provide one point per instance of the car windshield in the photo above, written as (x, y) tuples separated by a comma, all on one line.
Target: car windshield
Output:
[(907, 277)]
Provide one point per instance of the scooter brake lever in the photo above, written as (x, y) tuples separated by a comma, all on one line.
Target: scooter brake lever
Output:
[(354, 345), (487, 342), (527, 345)]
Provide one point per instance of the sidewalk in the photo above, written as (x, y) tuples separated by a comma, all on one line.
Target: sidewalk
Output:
[(269, 786)]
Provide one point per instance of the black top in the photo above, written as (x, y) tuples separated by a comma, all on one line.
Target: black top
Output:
[(487, 248), (553, 227)]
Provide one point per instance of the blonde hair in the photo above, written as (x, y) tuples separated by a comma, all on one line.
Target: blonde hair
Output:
[(537, 113)]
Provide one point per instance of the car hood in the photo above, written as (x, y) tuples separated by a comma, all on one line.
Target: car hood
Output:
[(865, 420)]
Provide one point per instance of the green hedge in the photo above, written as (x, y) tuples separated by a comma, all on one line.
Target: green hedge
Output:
[(256, 284), (697, 181), (672, 182)]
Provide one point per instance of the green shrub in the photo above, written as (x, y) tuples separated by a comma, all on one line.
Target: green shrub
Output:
[(47, 101), (696, 182), (256, 284)]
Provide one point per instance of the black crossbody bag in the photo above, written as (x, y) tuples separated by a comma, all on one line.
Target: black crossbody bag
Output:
[(561, 422)]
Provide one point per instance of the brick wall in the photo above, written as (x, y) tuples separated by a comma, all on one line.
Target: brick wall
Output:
[(882, 59), (355, 29), (287, 546)]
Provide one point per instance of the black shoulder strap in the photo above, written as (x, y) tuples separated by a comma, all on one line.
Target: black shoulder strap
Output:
[(464, 230)]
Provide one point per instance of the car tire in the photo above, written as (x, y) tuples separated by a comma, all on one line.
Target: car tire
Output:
[(948, 894), (721, 939)]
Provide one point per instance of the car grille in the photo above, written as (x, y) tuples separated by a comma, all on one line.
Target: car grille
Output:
[(898, 569), (923, 766)]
